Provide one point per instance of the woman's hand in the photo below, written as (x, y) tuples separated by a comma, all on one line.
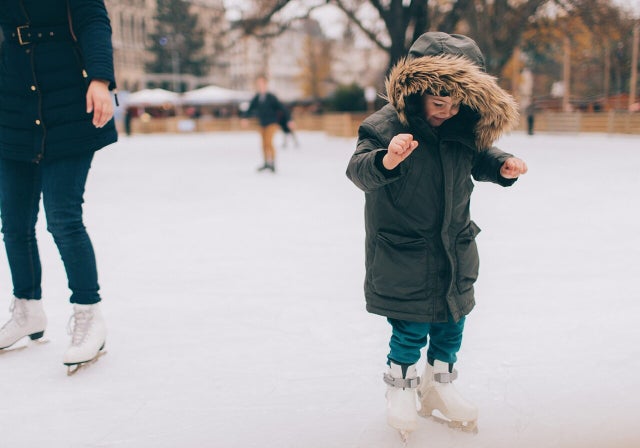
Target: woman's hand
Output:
[(99, 102)]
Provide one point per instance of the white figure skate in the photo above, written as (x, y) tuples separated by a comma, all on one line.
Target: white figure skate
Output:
[(27, 319), (438, 393), (402, 412), (88, 335)]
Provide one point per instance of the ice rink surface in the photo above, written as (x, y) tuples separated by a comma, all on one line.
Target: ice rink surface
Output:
[(236, 314)]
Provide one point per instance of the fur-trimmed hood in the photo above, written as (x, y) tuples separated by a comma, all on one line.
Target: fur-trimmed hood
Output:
[(453, 65)]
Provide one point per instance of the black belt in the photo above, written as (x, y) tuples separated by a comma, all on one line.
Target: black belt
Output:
[(25, 34)]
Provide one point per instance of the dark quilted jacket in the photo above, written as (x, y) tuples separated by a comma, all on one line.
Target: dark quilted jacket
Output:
[(44, 78)]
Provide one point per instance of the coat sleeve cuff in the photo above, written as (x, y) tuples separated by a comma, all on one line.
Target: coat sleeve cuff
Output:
[(504, 181), (385, 172)]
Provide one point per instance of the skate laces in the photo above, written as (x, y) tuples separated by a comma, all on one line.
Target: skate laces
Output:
[(18, 312), (79, 326)]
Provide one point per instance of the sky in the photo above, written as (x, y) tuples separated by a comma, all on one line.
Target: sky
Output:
[(634, 4), (236, 317)]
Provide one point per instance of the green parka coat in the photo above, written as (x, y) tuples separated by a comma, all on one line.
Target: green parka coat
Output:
[(421, 255)]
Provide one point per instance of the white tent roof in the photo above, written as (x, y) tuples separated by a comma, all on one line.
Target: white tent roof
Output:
[(215, 95), (152, 97)]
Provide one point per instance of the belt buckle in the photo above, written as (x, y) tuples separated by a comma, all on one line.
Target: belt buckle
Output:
[(19, 31)]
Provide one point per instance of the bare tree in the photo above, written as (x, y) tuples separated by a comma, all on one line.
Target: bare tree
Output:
[(498, 25), (400, 22), (266, 18), (599, 33), (392, 25)]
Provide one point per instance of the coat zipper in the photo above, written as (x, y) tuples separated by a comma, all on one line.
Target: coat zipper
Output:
[(444, 206), (40, 155), (32, 61)]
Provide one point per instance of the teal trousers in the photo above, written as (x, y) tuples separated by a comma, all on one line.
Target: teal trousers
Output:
[(409, 338)]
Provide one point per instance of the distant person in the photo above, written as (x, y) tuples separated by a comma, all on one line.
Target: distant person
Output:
[(128, 117), (415, 160), (55, 112), (287, 125), (266, 107), (531, 117)]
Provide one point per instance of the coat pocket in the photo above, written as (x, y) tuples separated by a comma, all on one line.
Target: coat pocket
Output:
[(467, 259), (399, 266)]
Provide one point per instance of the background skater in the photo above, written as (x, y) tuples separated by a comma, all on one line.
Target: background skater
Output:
[(266, 107), (287, 125)]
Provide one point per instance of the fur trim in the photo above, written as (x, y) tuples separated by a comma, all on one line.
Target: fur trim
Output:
[(463, 81)]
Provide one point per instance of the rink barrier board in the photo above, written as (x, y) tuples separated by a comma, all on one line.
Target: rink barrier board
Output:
[(346, 124)]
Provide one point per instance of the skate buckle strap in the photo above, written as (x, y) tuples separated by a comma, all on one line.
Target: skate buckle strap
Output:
[(403, 383), (445, 377)]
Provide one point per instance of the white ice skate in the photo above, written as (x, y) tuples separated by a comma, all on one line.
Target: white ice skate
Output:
[(402, 411), (88, 335), (438, 393), (28, 319)]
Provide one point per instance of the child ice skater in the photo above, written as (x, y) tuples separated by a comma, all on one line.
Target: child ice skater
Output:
[(415, 160)]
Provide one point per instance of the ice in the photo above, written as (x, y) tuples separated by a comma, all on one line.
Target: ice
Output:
[(236, 316)]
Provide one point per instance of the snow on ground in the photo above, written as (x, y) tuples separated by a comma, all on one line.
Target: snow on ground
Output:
[(236, 315)]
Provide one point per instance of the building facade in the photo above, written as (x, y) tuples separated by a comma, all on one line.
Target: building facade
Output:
[(301, 63), (131, 21)]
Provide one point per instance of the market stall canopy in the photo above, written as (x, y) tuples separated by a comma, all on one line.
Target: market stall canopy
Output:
[(152, 97), (212, 95)]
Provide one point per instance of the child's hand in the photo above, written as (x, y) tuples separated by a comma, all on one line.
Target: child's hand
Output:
[(400, 147), (512, 168)]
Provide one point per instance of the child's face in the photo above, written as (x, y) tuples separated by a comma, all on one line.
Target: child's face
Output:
[(439, 109)]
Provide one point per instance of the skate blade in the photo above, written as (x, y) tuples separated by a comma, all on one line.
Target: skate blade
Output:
[(72, 369), (404, 436), (470, 427), (14, 348)]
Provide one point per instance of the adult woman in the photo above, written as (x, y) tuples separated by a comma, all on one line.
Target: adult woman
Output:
[(55, 112)]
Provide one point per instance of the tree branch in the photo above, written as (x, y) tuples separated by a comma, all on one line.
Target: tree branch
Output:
[(419, 10), (353, 18), (453, 17), (264, 27)]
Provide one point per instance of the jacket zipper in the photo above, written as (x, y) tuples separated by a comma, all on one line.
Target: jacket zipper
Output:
[(40, 155), (444, 205), (32, 61)]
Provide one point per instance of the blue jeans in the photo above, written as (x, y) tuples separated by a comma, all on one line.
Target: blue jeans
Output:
[(61, 183), (408, 338)]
